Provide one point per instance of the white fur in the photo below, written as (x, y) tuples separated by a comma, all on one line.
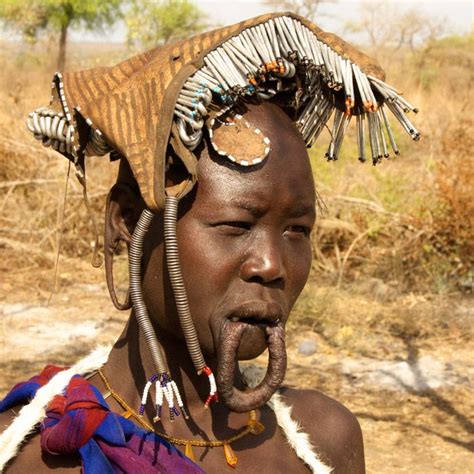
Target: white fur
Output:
[(296, 438), (33, 413)]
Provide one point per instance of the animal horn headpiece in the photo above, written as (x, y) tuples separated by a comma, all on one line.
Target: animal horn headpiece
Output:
[(166, 97)]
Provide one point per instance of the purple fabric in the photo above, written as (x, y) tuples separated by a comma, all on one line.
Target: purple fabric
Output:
[(80, 421)]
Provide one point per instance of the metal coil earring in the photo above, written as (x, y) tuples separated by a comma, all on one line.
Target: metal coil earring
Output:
[(181, 298), (164, 384)]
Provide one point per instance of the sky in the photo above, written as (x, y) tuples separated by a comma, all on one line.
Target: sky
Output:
[(457, 15)]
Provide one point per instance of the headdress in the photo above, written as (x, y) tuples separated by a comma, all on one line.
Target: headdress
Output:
[(164, 99)]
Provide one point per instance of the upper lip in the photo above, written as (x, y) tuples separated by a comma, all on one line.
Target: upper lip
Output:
[(257, 312)]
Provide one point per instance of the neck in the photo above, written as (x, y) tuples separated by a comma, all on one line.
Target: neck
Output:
[(130, 365)]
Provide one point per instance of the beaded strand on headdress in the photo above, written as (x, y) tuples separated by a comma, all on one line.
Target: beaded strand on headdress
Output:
[(257, 59)]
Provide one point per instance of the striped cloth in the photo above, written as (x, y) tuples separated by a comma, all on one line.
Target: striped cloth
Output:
[(80, 421)]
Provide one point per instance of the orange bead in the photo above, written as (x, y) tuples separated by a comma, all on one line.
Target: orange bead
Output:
[(255, 427), (188, 451), (230, 456)]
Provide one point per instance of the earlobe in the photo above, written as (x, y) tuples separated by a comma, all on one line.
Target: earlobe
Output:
[(123, 208)]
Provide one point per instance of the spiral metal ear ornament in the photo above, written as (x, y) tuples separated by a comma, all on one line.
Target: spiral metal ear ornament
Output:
[(181, 298), (165, 386)]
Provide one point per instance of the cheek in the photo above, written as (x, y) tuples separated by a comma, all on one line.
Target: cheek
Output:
[(208, 269), (298, 267), (208, 264), (157, 291)]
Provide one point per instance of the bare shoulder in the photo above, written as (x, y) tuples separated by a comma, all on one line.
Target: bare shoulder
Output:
[(333, 429), (29, 457), (6, 418)]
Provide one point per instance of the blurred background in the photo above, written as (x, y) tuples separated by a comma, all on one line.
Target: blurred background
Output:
[(385, 322)]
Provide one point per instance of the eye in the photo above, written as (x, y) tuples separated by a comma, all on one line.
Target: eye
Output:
[(233, 227), (239, 224), (299, 230)]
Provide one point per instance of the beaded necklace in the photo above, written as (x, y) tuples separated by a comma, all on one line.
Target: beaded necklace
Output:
[(254, 427)]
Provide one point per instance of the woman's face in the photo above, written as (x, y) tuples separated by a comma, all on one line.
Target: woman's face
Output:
[(244, 242)]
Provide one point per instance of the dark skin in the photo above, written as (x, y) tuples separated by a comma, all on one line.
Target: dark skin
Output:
[(244, 242)]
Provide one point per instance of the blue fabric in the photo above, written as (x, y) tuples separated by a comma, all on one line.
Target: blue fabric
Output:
[(80, 421), (20, 394)]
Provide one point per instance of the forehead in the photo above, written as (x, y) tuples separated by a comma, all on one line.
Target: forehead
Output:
[(284, 179), (221, 184)]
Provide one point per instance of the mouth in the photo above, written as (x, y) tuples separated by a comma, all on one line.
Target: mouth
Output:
[(257, 313), (253, 321), (256, 317)]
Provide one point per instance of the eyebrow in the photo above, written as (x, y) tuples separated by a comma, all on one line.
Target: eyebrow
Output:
[(258, 211), (303, 210), (255, 210)]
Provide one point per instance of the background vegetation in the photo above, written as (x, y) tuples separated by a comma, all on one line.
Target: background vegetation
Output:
[(407, 221)]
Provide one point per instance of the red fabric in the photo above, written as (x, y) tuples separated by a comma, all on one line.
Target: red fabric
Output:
[(80, 421), (69, 425)]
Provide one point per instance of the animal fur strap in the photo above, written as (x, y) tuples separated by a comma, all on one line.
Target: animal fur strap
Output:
[(297, 439)]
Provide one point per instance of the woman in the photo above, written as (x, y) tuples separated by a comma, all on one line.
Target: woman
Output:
[(216, 201)]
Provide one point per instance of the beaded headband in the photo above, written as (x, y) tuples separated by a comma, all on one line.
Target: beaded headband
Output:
[(282, 55), (167, 97)]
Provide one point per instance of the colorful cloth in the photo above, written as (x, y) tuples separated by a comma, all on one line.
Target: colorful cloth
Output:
[(80, 421)]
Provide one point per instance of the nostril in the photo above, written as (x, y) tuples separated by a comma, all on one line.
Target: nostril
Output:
[(256, 279), (274, 283)]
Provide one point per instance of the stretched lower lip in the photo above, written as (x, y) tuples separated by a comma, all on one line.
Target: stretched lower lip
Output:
[(248, 330), (230, 338)]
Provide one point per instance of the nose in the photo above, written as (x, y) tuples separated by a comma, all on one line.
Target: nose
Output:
[(264, 262)]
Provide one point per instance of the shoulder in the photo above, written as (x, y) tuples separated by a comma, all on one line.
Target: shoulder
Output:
[(26, 456), (333, 429), (10, 447)]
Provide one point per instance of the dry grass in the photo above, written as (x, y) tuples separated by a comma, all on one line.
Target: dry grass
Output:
[(32, 177), (407, 223), (410, 220)]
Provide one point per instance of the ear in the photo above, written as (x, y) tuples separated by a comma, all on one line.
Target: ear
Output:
[(123, 208)]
